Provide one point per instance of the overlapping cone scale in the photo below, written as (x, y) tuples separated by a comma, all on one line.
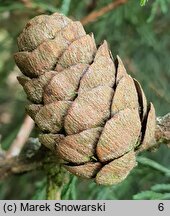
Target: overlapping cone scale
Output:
[(90, 111)]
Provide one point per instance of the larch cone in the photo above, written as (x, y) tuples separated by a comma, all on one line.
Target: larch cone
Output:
[(90, 111)]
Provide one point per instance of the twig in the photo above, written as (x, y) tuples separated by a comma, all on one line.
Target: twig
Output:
[(21, 137), (17, 165), (57, 177), (162, 134), (25, 162), (93, 16), (27, 3)]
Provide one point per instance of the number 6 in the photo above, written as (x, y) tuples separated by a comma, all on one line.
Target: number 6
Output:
[(161, 206)]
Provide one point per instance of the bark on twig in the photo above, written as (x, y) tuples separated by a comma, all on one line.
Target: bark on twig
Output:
[(21, 137), (31, 158), (93, 16), (162, 134), (17, 165), (57, 177)]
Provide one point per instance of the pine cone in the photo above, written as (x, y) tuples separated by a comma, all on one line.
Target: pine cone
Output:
[(90, 111)]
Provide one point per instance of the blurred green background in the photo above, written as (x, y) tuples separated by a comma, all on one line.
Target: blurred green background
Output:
[(141, 37)]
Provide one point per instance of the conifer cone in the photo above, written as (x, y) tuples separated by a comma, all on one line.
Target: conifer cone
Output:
[(90, 111)]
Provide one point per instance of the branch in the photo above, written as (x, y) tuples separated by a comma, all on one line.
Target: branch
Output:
[(32, 157), (27, 3), (17, 165), (162, 134), (21, 137), (93, 16)]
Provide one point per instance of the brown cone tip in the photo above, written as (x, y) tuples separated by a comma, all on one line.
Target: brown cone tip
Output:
[(90, 112)]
